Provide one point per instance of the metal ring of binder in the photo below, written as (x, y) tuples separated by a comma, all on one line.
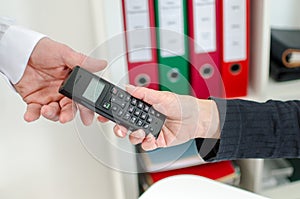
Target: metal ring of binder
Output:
[(206, 71), (142, 80), (173, 75)]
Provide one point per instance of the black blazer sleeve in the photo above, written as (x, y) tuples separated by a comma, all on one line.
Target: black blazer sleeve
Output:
[(258, 130)]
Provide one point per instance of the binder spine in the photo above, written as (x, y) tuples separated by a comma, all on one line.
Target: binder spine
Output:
[(172, 43), (235, 46), (140, 39), (204, 30)]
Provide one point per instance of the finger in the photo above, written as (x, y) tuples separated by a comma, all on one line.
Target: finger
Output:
[(51, 111), (102, 119), (73, 59), (159, 99), (137, 137), (68, 110), (86, 115), (148, 95), (120, 131), (149, 143), (33, 112), (93, 65), (160, 141)]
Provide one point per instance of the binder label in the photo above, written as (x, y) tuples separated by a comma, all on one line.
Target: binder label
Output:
[(234, 30), (138, 30), (171, 30), (205, 25)]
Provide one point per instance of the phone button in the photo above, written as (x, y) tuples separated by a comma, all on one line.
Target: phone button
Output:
[(107, 105), (114, 90)]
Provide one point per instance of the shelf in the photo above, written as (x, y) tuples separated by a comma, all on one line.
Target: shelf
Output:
[(288, 90), (284, 91), (288, 191)]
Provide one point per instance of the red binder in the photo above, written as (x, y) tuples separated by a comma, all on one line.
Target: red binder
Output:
[(235, 47), (204, 30), (222, 171), (140, 39)]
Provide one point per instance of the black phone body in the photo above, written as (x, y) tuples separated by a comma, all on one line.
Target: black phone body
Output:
[(112, 102)]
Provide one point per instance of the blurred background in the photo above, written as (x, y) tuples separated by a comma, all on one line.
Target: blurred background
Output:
[(44, 159), (47, 160)]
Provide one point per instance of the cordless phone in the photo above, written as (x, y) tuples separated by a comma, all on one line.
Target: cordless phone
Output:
[(112, 102)]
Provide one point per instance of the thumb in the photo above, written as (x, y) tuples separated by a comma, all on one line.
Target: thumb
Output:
[(92, 64), (73, 58)]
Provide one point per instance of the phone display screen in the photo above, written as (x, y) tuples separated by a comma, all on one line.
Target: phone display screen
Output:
[(93, 90)]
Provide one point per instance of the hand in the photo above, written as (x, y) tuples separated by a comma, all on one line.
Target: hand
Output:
[(187, 118), (49, 64)]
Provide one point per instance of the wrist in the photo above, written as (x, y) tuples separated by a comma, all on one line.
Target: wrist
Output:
[(209, 121)]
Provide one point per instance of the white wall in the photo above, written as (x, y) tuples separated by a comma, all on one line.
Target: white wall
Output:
[(67, 21), (44, 159), (285, 13)]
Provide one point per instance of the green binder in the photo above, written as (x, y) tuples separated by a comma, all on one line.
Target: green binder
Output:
[(172, 45)]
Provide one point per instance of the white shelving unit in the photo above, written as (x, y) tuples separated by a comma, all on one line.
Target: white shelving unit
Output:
[(261, 87), (264, 15)]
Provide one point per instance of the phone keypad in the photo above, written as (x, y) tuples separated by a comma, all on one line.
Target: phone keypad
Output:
[(133, 113)]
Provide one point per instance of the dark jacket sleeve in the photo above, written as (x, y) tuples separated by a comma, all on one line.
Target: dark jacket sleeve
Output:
[(258, 130)]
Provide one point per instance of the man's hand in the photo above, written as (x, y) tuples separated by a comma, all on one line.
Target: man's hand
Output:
[(48, 66)]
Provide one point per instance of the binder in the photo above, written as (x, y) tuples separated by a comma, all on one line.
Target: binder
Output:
[(204, 29), (223, 171), (235, 43), (140, 39), (172, 44)]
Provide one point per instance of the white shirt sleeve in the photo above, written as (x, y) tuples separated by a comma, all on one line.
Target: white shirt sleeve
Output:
[(16, 46)]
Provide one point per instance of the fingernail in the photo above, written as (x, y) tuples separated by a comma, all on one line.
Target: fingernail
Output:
[(149, 138), (120, 133), (139, 134), (49, 113)]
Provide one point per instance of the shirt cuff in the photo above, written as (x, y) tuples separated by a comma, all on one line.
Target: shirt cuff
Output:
[(231, 129), (16, 47), (207, 148)]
